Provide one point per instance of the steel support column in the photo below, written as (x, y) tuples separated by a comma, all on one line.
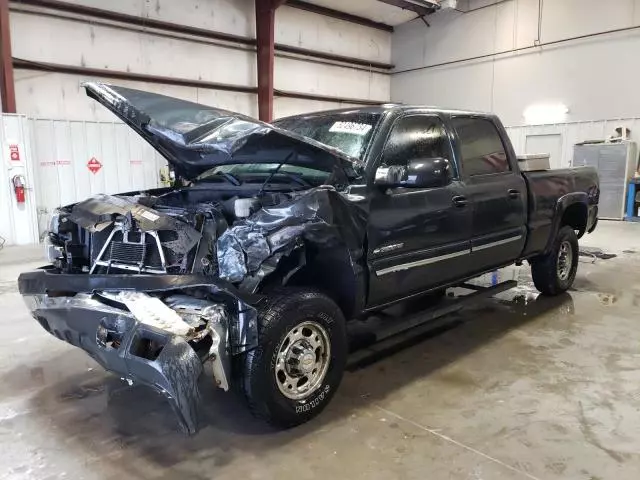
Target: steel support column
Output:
[(7, 87), (265, 28)]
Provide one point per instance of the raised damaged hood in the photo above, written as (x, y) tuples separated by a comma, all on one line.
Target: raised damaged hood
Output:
[(194, 138)]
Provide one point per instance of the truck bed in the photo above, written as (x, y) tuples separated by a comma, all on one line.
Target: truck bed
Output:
[(545, 188)]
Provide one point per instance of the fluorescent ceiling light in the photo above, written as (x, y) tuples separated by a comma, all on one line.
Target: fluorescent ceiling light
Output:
[(545, 113)]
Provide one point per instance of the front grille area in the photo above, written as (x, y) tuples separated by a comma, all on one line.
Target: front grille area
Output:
[(129, 253), (130, 250)]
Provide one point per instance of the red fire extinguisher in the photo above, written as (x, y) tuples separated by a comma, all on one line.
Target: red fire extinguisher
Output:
[(18, 187)]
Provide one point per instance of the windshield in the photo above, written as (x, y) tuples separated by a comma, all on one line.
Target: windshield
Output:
[(349, 132)]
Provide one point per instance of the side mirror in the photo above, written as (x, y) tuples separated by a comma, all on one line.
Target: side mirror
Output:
[(419, 173)]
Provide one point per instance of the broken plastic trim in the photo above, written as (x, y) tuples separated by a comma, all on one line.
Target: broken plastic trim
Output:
[(117, 341), (243, 316)]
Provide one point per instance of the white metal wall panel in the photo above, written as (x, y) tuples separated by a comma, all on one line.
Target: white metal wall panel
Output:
[(572, 133), (17, 221), (63, 149)]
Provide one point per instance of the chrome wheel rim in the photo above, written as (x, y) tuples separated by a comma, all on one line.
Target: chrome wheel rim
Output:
[(303, 360), (565, 260)]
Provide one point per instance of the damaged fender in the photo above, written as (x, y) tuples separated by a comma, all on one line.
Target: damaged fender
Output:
[(251, 249)]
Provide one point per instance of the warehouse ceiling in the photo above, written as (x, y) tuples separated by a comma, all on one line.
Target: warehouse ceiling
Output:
[(376, 10)]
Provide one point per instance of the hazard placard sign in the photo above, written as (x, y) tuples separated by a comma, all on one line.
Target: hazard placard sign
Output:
[(94, 165)]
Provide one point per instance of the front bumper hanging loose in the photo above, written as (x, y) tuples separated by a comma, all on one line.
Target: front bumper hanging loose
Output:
[(138, 343)]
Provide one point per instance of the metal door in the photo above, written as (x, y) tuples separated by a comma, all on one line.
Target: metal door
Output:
[(497, 192), (417, 237)]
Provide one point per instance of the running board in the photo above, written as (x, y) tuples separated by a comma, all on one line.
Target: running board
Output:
[(368, 345)]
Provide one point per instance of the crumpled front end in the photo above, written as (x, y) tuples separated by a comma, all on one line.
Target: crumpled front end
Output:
[(158, 333)]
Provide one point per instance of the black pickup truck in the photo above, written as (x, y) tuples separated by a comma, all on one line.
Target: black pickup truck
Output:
[(273, 236)]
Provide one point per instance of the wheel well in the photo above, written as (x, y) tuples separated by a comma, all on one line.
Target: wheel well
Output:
[(330, 271), (575, 215)]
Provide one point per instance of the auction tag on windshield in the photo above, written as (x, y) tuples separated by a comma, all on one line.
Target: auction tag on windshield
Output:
[(350, 127)]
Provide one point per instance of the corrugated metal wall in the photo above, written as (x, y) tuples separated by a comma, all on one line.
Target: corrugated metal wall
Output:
[(572, 133), (56, 160), (64, 162), (74, 160)]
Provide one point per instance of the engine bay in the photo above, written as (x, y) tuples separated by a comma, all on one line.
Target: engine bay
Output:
[(172, 232)]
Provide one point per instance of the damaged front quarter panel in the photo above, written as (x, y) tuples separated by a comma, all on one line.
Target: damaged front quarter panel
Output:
[(322, 216)]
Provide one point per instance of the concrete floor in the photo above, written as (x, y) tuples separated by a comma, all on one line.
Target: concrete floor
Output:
[(524, 387)]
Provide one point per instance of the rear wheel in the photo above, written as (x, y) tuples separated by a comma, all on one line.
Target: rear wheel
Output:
[(297, 367), (555, 272)]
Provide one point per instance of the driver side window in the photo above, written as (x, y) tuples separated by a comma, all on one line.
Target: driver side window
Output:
[(414, 137)]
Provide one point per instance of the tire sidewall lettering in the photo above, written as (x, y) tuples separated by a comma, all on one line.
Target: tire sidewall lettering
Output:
[(308, 405)]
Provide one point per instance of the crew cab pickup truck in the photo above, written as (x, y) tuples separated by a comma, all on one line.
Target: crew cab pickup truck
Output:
[(274, 236)]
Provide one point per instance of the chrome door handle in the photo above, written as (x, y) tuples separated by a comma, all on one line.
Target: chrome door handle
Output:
[(459, 201), (513, 193)]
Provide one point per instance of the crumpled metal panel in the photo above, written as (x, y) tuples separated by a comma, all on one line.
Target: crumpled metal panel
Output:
[(181, 367), (243, 334), (195, 138), (87, 322), (98, 212), (321, 216)]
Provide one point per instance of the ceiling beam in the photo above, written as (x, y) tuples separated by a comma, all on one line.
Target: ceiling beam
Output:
[(330, 12), (265, 46), (421, 7)]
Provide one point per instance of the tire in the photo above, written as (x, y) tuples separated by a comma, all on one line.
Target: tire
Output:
[(547, 277), (285, 324)]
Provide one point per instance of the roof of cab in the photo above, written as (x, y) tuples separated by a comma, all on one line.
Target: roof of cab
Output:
[(387, 107)]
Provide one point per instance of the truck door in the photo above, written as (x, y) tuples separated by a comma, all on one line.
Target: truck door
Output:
[(496, 189), (417, 238)]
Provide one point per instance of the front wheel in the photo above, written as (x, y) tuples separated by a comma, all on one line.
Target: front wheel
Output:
[(555, 272), (297, 367)]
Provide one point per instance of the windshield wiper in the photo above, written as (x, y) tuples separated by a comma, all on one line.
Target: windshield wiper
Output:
[(232, 179), (297, 178), (275, 170)]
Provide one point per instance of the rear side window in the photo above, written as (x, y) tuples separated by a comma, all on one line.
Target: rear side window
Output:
[(481, 148)]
